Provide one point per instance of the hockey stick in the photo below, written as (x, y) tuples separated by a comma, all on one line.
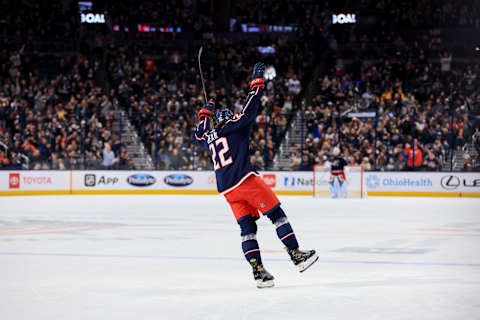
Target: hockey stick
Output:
[(201, 73), (203, 82)]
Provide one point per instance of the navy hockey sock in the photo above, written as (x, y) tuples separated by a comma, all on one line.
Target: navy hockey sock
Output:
[(249, 239), (284, 229), (250, 248)]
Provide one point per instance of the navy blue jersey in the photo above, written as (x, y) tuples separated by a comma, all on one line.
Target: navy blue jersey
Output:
[(228, 145), (338, 163)]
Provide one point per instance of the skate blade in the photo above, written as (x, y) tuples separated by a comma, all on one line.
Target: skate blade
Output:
[(265, 284), (306, 264)]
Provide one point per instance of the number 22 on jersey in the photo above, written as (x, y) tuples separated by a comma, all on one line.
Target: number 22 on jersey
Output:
[(221, 153)]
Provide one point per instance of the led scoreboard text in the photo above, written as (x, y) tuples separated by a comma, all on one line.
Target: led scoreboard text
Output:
[(344, 18), (92, 18)]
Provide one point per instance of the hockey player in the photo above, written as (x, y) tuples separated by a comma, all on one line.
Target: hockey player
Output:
[(242, 187), (337, 175)]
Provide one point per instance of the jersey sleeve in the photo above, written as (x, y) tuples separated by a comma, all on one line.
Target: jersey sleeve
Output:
[(200, 134), (247, 116)]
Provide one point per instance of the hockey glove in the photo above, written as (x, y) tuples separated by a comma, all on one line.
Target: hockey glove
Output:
[(257, 75), (207, 110)]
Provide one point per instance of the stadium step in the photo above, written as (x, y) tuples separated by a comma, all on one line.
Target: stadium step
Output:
[(292, 139), (133, 145)]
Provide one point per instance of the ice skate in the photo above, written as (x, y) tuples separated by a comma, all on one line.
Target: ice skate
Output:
[(263, 277), (302, 259)]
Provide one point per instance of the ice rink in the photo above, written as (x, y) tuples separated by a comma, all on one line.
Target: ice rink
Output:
[(179, 257)]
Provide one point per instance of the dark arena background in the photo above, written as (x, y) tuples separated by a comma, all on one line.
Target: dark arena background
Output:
[(116, 197)]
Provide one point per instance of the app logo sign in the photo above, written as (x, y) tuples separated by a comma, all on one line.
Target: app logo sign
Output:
[(91, 180), (141, 180), (270, 180), (452, 182), (14, 180), (373, 182), (178, 180)]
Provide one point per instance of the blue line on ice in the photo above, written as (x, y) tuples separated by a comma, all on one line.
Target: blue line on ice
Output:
[(446, 264)]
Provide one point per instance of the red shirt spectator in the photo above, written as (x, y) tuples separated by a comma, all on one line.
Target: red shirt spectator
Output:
[(4, 161), (149, 64), (418, 156), (262, 119)]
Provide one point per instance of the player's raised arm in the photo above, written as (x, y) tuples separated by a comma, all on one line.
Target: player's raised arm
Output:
[(250, 108), (205, 115)]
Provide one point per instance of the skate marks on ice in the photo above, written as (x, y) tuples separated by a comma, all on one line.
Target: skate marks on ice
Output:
[(50, 226), (384, 250), (171, 257), (212, 258)]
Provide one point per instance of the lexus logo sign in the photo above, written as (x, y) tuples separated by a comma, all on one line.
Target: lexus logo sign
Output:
[(450, 182)]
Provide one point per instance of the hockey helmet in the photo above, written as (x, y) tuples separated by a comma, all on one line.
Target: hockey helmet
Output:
[(224, 115)]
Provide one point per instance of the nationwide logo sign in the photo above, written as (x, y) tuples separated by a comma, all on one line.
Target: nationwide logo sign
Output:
[(178, 180), (292, 181), (452, 182), (141, 180)]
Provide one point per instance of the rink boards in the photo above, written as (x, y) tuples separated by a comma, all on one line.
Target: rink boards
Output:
[(437, 184)]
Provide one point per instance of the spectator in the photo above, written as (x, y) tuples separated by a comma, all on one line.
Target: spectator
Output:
[(294, 85), (257, 161), (468, 163), (108, 157), (445, 61)]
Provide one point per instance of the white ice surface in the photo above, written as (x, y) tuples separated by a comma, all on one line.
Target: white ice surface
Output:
[(179, 257)]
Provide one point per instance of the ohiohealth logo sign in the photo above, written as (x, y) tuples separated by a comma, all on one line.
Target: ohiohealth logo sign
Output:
[(397, 181)]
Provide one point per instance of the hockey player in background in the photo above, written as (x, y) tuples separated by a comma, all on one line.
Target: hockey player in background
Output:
[(337, 175), (227, 139)]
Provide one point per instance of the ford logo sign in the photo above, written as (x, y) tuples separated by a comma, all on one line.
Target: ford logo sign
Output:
[(141, 180), (178, 180)]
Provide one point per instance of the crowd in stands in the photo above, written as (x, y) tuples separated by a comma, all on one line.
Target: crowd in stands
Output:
[(190, 16), (62, 123), (427, 13), (162, 99), (48, 20), (414, 94), (66, 119)]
